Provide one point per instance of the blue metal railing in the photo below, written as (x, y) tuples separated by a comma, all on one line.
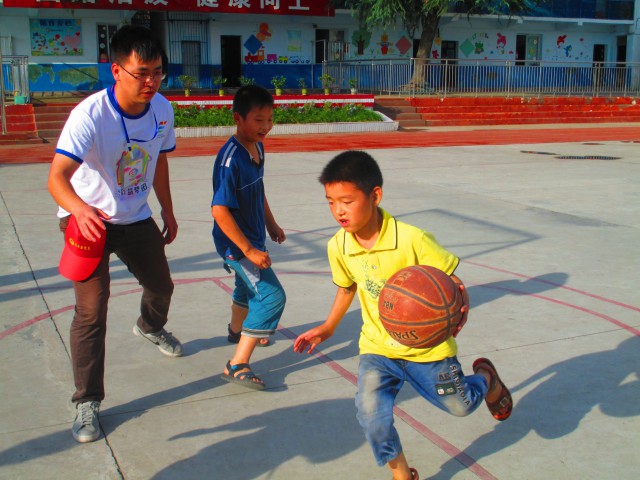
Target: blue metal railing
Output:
[(463, 77), (15, 74)]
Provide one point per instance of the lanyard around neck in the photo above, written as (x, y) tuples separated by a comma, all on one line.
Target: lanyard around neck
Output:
[(124, 126), (126, 133)]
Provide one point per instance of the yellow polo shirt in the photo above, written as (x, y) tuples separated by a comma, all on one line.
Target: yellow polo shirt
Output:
[(399, 245)]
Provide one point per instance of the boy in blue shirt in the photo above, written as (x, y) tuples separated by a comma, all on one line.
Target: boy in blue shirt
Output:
[(368, 249), (241, 215)]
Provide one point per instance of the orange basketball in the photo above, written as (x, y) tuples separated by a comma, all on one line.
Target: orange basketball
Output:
[(420, 306)]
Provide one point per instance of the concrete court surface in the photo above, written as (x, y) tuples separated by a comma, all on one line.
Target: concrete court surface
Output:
[(550, 257)]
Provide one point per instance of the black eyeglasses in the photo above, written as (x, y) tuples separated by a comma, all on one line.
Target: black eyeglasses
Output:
[(145, 77)]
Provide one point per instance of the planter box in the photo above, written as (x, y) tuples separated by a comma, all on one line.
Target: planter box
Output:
[(387, 125), (317, 99)]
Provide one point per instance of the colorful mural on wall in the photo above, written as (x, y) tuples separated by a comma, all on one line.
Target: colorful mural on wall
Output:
[(361, 39), (501, 44), (260, 47), (386, 45), (64, 77), (481, 45), (568, 48), (55, 36), (474, 44)]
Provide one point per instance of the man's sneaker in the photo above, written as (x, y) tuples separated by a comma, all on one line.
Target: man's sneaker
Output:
[(166, 342), (86, 427)]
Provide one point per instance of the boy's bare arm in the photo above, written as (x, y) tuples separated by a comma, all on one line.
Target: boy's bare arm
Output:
[(341, 303), (228, 225), (273, 229)]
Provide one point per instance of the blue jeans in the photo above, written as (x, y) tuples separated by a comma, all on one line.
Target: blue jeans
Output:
[(261, 292), (380, 379)]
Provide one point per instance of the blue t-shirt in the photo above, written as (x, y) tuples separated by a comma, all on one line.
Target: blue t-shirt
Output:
[(238, 185)]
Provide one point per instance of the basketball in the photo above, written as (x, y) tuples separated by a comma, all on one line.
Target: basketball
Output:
[(419, 306)]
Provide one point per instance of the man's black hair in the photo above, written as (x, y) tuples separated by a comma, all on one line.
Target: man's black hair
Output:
[(138, 39), (353, 166), (249, 97)]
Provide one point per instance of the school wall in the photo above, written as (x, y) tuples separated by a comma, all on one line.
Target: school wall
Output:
[(269, 46), (78, 70), (284, 45), (560, 41)]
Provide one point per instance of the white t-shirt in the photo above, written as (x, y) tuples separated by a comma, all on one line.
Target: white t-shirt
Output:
[(118, 153)]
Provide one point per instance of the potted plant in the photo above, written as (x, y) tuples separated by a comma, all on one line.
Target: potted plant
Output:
[(219, 81), (278, 82), (187, 82), (302, 83), (327, 81), (245, 81), (353, 83), (19, 99)]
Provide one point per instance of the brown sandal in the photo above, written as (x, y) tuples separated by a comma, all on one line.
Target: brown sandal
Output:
[(501, 408), (414, 474)]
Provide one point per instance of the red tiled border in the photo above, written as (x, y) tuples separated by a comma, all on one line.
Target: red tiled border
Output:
[(191, 147)]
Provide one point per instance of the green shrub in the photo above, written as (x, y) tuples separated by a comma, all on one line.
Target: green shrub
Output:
[(198, 116), (328, 113), (278, 81), (187, 81), (246, 81)]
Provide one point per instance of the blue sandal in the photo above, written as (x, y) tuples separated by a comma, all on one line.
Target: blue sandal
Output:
[(246, 379)]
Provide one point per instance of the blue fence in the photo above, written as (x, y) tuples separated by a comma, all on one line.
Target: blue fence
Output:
[(385, 77), (487, 76)]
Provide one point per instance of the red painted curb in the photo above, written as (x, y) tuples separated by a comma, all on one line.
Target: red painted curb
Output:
[(192, 147)]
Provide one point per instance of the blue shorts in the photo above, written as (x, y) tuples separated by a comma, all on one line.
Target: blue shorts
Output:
[(380, 379), (259, 291)]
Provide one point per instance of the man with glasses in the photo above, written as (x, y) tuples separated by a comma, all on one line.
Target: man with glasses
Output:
[(111, 153)]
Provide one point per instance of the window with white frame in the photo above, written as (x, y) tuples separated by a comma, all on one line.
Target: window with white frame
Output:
[(105, 32)]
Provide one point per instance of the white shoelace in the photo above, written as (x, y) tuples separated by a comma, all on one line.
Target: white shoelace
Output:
[(87, 412)]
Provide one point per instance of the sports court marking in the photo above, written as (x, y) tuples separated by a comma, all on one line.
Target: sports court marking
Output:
[(455, 453), (558, 285)]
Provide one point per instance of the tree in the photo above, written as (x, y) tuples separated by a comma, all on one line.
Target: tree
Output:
[(425, 14)]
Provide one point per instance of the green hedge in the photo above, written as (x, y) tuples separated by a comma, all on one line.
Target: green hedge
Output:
[(199, 116)]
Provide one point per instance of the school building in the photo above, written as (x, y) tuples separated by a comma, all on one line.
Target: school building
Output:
[(63, 45)]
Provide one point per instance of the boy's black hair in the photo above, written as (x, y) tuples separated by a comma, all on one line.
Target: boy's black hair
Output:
[(138, 39), (249, 97), (353, 166)]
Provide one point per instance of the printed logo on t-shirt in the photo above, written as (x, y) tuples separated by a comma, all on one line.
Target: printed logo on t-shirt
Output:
[(372, 284), (161, 126), (132, 173)]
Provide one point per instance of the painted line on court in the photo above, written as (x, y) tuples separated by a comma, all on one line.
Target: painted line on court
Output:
[(418, 426), (559, 285), (219, 281), (423, 430), (609, 319)]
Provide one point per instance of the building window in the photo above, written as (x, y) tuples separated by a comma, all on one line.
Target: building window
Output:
[(6, 46), (528, 49), (105, 32)]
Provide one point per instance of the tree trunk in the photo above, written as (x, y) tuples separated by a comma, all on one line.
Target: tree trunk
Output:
[(430, 24)]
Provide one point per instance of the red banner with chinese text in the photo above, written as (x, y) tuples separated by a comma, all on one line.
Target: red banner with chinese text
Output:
[(271, 7)]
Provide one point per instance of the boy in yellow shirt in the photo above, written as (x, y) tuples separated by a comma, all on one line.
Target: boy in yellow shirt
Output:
[(369, 248)]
